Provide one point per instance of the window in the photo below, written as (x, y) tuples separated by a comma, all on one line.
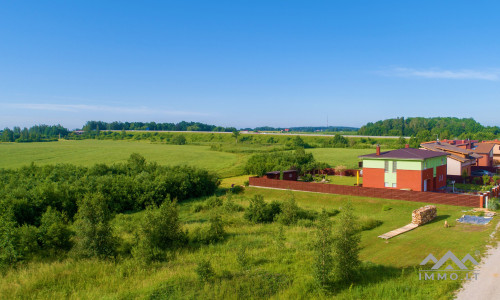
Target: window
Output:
[(394, 166), (442, 160), (386, 184), (393, 185), (386, 166)]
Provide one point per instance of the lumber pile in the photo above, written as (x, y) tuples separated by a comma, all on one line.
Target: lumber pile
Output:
[(423, 215)]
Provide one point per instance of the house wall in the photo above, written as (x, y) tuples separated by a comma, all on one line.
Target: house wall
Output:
[(486, 160), (454, 167), (373, 177)]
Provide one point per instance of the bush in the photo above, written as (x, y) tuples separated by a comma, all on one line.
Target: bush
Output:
[(366, 223), (493, 204), (261, 212), (27, 236), (179, 139), (205, 271), (94, 236), (346, 245), (54, 231), (212, 234), (289, 212), (246, 183), (159, 231), (213, 202)]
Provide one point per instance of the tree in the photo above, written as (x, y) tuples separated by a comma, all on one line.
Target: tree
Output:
[(346, 245), (159, 231), (54, 232), (94, 235), (323, 261), (236, 134)]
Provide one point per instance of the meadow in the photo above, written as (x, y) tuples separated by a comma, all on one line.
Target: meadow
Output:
[(89, 152), (275, 268), (278, 259)]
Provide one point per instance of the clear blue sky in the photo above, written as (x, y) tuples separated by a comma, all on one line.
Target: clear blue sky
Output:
[(248, 63)]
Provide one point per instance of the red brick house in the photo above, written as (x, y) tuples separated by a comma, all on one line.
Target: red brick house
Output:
[(408, 168), (486, 152)]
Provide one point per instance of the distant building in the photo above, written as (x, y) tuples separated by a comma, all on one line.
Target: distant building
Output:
[(486, 152), (459, 160), (287, 175), (496, 151), (408, 168)]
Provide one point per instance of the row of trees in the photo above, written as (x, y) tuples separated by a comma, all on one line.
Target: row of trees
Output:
[(429, 128), (181, 126), (261, 163), (38, 133)]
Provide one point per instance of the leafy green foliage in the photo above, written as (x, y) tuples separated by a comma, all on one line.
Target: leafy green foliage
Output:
[(159, 231), (212, 234), (346, 245), (299, 160), (261, 212), (323, 258), (205, 271), (94, 235), (54, 231)]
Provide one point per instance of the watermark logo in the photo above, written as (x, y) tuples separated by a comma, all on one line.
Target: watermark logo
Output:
[(437, 272)]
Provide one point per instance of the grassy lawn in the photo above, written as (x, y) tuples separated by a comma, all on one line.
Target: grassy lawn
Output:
[(89, 152), (390, 268), (344, 180), (340, 156)]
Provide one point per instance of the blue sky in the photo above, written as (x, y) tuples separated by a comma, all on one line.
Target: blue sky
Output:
[(248, 63)]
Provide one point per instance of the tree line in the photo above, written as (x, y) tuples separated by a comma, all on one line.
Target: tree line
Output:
[(426, 129), (181, 126), (37, 133)]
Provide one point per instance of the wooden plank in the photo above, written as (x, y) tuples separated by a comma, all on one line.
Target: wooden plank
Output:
[(398, 231)]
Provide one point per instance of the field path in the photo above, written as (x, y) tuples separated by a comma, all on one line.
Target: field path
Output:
[(487, 285)]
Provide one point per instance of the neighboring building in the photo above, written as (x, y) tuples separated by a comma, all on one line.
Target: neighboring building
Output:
[(486, 151), (408, 168), (464, 144), (496, 151), (459, 160), (287, 175)]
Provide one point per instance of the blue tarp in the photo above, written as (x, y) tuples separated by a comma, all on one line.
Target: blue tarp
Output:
[(474, 220)]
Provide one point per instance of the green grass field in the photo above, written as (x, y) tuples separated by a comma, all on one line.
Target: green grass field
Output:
[(339, 156), (390, 268), (89, 152)]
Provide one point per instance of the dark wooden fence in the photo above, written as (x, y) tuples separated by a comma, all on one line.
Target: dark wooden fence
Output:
[(429, 197)]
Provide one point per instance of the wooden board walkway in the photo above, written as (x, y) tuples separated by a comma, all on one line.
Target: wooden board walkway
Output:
[(398, 231)]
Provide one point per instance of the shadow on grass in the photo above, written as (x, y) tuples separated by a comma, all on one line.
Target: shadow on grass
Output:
[(438, 219)]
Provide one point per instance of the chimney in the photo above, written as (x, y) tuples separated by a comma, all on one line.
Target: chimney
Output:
[(407, 146), (378, 149)]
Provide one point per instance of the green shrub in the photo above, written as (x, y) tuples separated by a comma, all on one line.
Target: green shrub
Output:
[(493, 204), (94, 236), (246, 183), (205, 271), (179, 139), (213, 202), (159, 231), (367, 223), (54, 231), (209, 235), (261, 212), (27, 237), (289, 212), (230, 206)]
